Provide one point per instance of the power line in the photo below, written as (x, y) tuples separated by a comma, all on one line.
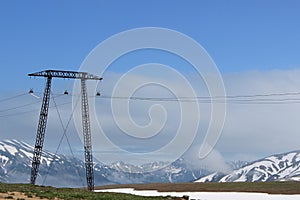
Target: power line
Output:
[(12, 97), (21, 106), (230, 99), (260, 95), (192, 99), (65, 128), (196, 97), (29, 111), (208, 98)]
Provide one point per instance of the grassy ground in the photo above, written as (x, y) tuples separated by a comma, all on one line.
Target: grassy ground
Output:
[(263, 187), (13, 191), (27, 191)]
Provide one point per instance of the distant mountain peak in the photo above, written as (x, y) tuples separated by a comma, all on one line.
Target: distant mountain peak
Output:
[(279, 167)]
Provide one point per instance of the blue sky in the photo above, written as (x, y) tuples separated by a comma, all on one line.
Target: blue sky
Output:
[(255, 44), (239, 35)]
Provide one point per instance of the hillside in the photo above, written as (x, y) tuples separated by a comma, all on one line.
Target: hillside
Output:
[(280, 167)]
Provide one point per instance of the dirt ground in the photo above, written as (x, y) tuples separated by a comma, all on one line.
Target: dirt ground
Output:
[(18, 196), (15, 195)]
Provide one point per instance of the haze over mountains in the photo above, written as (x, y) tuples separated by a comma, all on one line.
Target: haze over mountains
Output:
[(63, 171)]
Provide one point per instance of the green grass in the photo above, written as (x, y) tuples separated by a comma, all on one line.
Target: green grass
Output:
[(264, 187), (69, 193)]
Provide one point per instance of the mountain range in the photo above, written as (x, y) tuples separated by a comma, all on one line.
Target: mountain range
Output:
[(64, 171)]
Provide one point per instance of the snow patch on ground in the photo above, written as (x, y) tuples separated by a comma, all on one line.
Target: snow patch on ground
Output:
[(206, 195)]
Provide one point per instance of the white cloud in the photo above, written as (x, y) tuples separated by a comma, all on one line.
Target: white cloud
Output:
[(255, 130), (251, 130)]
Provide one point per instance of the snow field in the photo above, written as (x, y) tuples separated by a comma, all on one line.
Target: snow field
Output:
[(207, 195)]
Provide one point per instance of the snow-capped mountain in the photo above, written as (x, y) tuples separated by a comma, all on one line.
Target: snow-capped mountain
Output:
[(58, 170), (280, 167), (61, 171), (125, 167)]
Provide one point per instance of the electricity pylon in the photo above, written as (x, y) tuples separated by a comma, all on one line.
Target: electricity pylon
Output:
[(83, 76)]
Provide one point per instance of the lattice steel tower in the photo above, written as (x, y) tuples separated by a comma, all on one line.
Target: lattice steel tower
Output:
[(83, 76)]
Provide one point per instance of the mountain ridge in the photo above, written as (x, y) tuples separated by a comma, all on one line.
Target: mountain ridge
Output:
[(15, 167), (277, 167), (64, 171)]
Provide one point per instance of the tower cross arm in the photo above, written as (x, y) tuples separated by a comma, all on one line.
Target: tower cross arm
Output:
[(66, 74)]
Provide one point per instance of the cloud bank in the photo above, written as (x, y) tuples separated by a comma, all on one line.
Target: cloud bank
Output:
[(252, 130)]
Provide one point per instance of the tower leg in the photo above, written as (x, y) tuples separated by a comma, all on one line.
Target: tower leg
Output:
[(40, 132), (87, 137)]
